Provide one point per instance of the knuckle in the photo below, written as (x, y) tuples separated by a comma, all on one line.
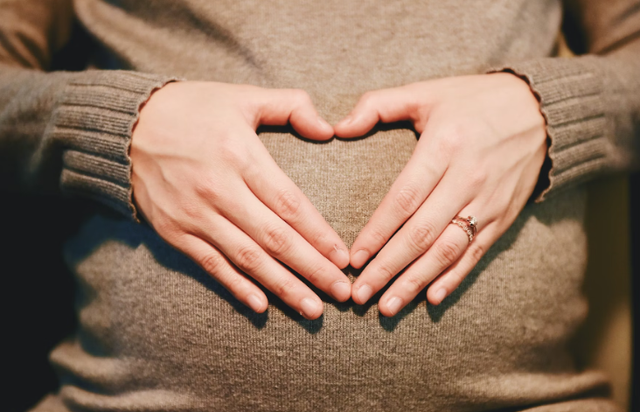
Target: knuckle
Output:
[(408, 199), (233, 283), (213, 264), (315, 275), (276, 241), (385, 271), (165, 227), (233, 153), (207, 188), (320, 239), (285, 287), (287, 205), (421, 236), (433, 169), (170, 227), (477, 178), (451, 140), (377, 235), (248, 259), (477, 252), (415, 284), (193, 210), (457, 276), (446, 253)]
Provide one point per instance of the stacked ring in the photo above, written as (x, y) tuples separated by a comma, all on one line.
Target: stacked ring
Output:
[(469, 225)]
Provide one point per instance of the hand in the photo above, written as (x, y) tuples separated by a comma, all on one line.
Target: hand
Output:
[(205, 182), (482, 144)]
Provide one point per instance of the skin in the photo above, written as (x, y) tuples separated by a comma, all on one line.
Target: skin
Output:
[(208, 186), (482, 144), (205, 182)]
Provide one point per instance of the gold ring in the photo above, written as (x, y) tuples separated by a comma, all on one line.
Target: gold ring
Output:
[(468, 224)]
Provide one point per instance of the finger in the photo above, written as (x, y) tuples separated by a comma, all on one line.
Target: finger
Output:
[(444, 252), (274, 188), (251, 259), (279, 240), (411, 188), (388, 105), (282, 106), (413, 239), (451, 278), (214, 263)]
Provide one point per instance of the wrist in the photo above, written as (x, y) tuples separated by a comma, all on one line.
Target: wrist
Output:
[(523, 83)]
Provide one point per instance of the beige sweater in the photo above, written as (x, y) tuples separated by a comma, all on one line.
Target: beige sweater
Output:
[(157, 334)]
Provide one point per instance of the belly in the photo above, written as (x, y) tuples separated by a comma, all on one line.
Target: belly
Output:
[(157, 333)]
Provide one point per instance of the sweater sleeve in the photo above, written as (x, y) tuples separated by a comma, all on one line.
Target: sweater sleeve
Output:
[(61, 131), (591, 102)]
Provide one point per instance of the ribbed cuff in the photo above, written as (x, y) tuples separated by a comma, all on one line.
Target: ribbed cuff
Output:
[(571, 101), (95, 119)]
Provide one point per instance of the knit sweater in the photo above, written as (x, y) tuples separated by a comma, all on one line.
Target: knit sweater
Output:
[(156, 333)]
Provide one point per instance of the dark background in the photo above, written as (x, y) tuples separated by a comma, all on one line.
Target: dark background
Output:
[(37, 293), (634, 219)]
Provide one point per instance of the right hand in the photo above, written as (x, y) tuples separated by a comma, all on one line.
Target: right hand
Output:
[(205, 182)]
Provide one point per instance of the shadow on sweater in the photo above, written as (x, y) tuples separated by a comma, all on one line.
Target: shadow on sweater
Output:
[(95, 233)]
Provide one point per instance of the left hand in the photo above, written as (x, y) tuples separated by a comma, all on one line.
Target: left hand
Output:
[(482, 144)]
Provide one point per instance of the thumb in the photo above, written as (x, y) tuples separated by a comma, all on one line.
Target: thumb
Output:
[(277, 107), (387, 105)]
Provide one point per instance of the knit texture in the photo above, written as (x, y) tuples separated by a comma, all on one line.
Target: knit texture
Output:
[(70, 132), (94, 121), (571, 99), (156, 333)]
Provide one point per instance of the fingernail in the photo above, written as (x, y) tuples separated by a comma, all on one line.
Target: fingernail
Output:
[(341, 290), (394, 305), (309, 307), (255, 302), (360, 258), (440, 295), (339, 257), (364, 293)]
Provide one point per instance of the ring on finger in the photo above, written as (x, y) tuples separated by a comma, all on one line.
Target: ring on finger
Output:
[(468, 224)]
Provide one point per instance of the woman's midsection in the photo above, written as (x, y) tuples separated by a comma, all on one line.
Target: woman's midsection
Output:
[(151, 320)]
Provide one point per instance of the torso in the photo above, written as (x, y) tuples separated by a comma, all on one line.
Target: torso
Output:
[(157, 333)]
